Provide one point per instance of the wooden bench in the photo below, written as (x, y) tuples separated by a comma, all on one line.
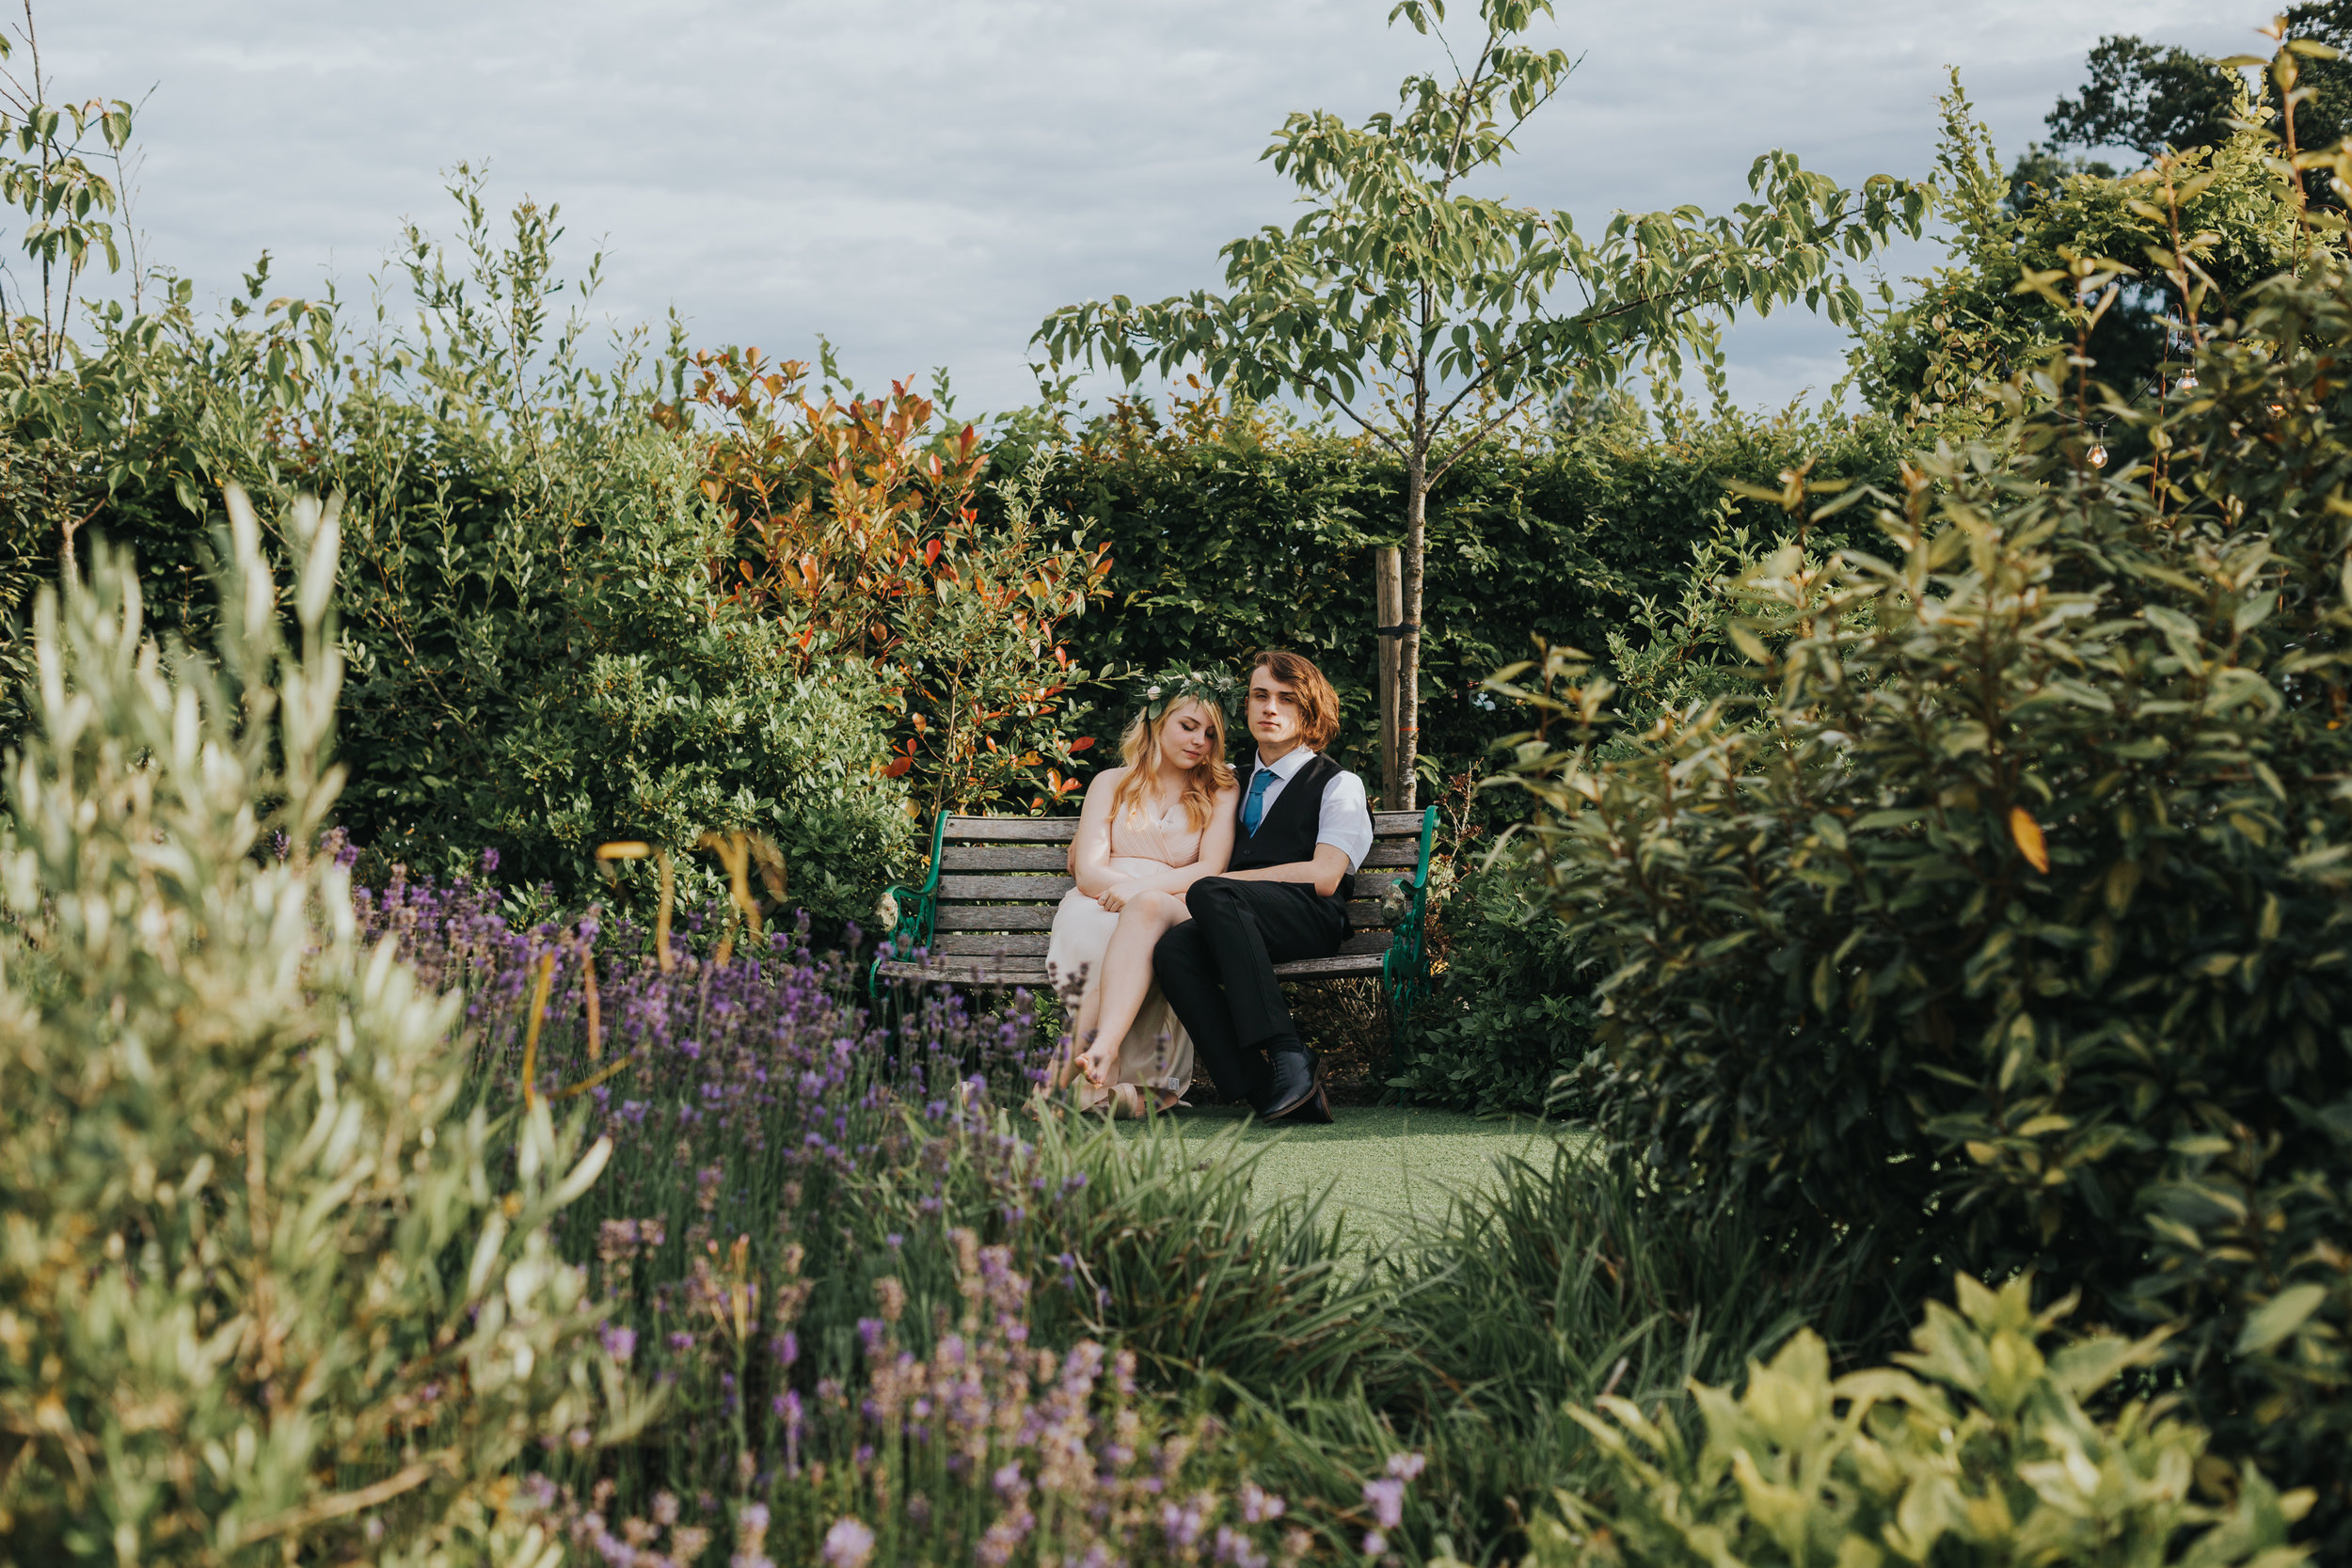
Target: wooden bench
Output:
[(983, 916)]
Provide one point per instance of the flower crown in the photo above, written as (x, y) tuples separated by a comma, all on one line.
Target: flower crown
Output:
[(1215, 689)]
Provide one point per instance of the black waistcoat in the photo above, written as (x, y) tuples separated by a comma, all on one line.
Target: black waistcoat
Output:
[(1286, 834)]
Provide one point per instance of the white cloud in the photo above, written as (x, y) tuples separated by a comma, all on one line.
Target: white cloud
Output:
[(923, 180)]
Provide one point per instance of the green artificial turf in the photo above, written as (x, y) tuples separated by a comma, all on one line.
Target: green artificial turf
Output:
[(1381, 1166)]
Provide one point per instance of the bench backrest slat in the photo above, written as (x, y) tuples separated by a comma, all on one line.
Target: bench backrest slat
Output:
[(995, 917), (1021, 944), (1013, 829), (1061, 829), (955, 888), (1010, 944), (1001, 878), (1003, 857)]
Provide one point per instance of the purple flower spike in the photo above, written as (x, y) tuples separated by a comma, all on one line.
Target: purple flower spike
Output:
[(1260, 1507), (849, 1545)]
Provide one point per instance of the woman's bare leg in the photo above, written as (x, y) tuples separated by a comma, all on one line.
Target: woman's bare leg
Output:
[(1127, 976), (1083, 1022)]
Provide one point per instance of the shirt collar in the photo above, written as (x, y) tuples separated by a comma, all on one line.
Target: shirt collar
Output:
[(1287, 769)]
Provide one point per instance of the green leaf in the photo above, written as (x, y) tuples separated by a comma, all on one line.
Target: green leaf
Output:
[(2278, 1317)]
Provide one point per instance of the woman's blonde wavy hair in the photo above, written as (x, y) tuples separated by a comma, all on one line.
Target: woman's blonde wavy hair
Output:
[(1139, 748)]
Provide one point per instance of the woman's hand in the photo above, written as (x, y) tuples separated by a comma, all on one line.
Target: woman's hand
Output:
[(1113, 897)]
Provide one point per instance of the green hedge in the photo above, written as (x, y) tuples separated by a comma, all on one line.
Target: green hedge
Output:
[(1239, 536)]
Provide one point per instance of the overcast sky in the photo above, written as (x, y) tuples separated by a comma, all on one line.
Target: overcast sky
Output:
[(922, 180)]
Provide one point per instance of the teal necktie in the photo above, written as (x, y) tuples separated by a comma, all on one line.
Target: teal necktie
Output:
[(1253, 808)]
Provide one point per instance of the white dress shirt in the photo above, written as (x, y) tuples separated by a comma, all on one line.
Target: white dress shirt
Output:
[(1345, 820)]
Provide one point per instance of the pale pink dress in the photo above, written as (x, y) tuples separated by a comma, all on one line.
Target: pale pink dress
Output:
[(1156, 1054)]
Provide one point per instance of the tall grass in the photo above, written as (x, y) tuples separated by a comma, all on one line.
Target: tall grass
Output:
[(794, 1198), (798, 1202)]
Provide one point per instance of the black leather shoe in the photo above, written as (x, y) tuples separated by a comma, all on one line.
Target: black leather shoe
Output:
[(1317, 1109), (1297, 1091)]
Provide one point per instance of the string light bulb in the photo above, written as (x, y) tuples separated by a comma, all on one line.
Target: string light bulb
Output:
[(2188, 382), (2097, 456)]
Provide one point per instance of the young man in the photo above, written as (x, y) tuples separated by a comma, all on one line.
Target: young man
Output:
[(1304, 828)]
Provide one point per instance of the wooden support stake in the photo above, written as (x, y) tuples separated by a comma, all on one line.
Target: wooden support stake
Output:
[(1389, 612), (661, 953), (531, 1037)]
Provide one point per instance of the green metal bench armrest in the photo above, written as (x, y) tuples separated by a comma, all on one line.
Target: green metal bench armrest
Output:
[(918, 909)]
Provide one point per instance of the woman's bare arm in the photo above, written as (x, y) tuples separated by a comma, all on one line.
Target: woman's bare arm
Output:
[(1090, 852), (1216, 852)]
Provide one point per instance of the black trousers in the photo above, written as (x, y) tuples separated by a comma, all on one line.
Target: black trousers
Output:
[(1218, 970)]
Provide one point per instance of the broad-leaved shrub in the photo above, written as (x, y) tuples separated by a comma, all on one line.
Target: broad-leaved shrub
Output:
[(263, 1297), (1511, 1009), (1975, 1449), (2011, 930)]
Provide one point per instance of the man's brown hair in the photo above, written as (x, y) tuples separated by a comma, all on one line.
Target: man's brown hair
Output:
[(1318, 704)]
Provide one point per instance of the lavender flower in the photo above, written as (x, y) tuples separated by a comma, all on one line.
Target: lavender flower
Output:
[(1236, 1549), (849, 1545)]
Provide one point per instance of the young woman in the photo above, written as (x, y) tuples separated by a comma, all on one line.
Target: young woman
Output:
[(1151, 829)]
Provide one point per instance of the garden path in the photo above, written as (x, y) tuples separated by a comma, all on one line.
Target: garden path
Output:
[(1382, 1165)]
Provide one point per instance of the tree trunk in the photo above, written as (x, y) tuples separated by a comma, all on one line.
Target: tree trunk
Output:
[(1388, 605), (1408, 645)]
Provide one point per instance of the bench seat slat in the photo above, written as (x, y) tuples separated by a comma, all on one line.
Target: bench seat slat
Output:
[(969, 971), (1332, 968)]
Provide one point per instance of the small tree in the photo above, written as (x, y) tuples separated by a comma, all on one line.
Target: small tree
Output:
[(46, 174), (1430, 316)]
